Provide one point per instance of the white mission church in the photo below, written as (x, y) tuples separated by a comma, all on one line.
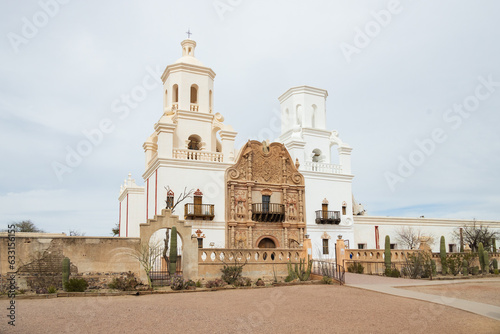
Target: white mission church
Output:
[(263, 195)]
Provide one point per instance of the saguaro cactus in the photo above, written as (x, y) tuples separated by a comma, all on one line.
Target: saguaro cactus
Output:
[(387, 252), (65, 272), (480, 250), (486, 259), (173, 251), (442, 255)]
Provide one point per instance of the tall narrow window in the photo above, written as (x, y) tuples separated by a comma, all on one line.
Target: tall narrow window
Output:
[(175, 94), (325, 246), (198, 200), (344, 208), (210, 101), (266, 199), (324, 209), (170, 199), (194, 94)]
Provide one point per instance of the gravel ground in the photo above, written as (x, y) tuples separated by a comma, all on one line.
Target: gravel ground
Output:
[(294, 309), (481, 292)]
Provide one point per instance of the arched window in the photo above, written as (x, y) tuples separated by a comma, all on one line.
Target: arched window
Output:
[(210, 103), (316, 156), (314, 117), (194, 94), (299, 115), (194, 142), (175, 94), (165, 99)]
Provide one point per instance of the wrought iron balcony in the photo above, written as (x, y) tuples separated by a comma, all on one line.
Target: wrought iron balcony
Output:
[(327, 217), (199, 211), (268, 212)]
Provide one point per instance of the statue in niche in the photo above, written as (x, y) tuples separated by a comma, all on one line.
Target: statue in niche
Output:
[(240, 205), (292, 208)]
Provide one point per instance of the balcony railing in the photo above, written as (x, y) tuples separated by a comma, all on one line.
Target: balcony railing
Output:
[(322, 167), (268, 212), (194, 107), (327, 217), (197, 155), (199, 211)]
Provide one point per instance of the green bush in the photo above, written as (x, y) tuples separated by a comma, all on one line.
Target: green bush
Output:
[(198, 284), (327, 280), (465, 268), (76, 285), (475, 270), (52, 289), (355, 267), (289, 278), (495, 271), (128, 283)]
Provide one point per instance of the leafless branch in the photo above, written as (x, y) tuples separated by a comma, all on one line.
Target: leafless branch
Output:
[(182, 197)]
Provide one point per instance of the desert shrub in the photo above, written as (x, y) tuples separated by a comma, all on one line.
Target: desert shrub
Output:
[(418, 265), (177, 283), (198, 284), (215, 283), (494, 263), (230, 274), (260, 282), (190, 283), (52, 289), (127, 283), (392, 272), (355, 267), (76, 285), (495, 271), (475, 270), (243, 281), (327, 280), (289, 278)]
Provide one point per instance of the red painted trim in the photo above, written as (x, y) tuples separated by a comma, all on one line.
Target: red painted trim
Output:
[(120, 220), (147, 199), (156, 192), (377, 243), (127, 218)]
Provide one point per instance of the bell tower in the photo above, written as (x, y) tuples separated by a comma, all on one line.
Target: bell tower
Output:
[(188, 84)]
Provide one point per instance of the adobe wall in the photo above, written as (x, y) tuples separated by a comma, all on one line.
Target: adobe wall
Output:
[(98, 259)]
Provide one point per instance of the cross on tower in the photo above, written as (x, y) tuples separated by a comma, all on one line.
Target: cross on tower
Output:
[(189, 33)]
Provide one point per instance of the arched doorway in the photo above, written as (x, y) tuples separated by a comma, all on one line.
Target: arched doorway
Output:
[(159, 272), (267, 243)]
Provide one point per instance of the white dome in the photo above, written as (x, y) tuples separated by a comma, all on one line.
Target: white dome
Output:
[(189, 60)]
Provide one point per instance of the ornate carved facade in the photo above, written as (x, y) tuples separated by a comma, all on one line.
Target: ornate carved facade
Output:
[(264, 199)]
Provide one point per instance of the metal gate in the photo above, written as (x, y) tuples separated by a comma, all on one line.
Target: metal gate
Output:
[(159, 274)]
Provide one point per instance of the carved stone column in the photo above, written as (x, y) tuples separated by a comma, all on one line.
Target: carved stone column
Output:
[(250, 237), (301, 215), (249, 201), (231, 195), (301, 236), (232, 237), (286, 238)]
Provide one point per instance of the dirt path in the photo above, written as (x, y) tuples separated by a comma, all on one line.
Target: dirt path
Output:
[(295, 309)]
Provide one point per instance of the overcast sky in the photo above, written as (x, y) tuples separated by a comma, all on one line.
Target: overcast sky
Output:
[(397, 73)]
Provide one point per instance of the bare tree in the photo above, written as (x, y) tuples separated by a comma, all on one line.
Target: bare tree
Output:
[(116, 230), (182, 197), (147, 254), (411, 238), (76, 233), (474, 234)]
